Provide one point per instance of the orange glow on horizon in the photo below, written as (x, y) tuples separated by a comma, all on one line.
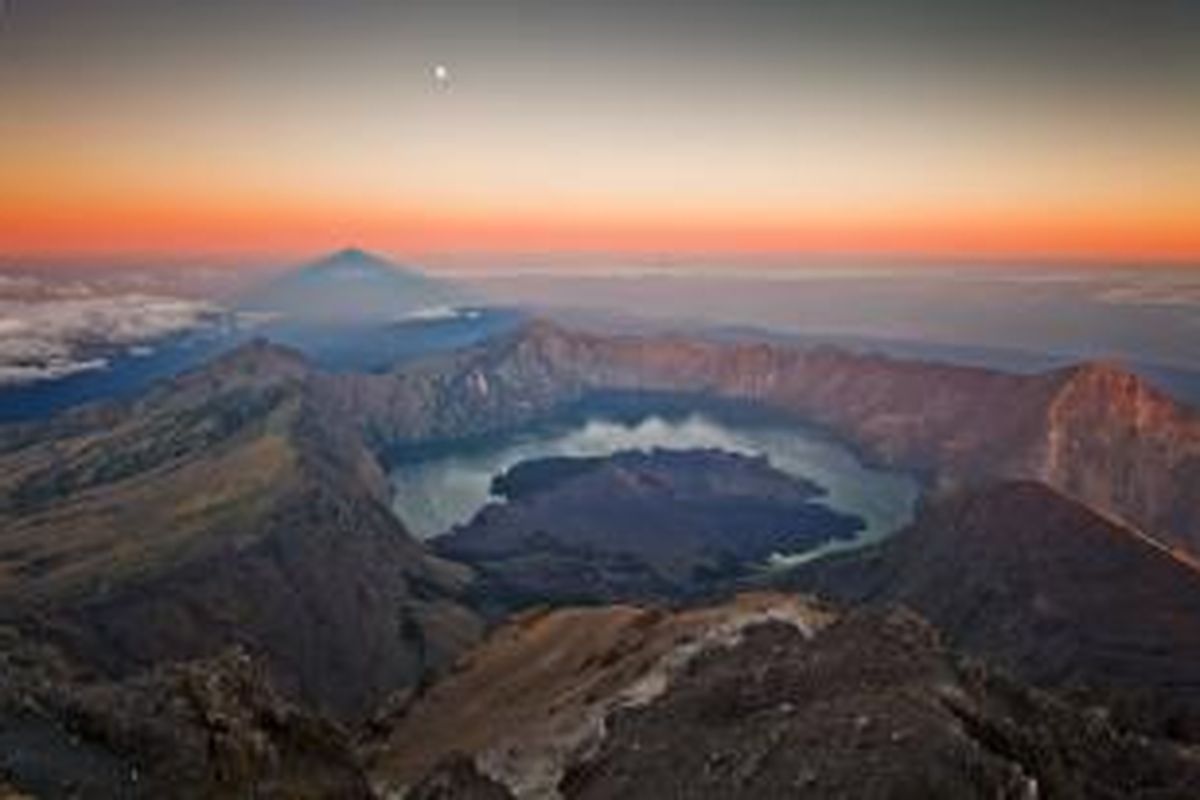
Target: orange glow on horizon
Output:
[(224, 228), (287, 129)]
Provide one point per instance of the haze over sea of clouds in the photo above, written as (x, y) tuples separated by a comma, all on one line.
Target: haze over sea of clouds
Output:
[(1147, 315), (54, 324)]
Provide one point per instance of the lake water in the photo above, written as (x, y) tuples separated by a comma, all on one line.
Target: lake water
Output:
[(437, 491)]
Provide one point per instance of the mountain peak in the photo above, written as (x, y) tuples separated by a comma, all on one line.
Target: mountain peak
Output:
[(541, 328), (259, 363), (263, 355)]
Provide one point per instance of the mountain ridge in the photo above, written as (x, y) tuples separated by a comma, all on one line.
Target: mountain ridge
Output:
[(779, 695), (225, 506), (1021, 575)]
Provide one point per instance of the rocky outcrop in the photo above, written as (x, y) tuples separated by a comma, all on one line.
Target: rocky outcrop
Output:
[(768, 697), (536, 694), (1117, 444), (1041, 585), (457, 778), (227, 507), (210, 728)]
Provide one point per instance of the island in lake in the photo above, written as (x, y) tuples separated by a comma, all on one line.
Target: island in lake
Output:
[(637, 525)]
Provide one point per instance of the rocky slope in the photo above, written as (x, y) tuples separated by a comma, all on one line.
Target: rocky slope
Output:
[(209, 728), (225, 507), (1094, 431), (666, 524), (769, 697), (537, 692), (1041, 585)]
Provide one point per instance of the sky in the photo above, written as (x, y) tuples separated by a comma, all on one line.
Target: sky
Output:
[(1056, 129)]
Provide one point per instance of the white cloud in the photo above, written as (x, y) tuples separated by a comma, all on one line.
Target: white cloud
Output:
[(52, 329), (440, 313), (47, 370), (1185, 295)]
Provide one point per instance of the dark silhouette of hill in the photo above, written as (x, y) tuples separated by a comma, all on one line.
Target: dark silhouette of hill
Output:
[(1041, 585)]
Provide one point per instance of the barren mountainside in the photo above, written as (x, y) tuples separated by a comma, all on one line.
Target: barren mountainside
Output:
[(225, 507), (1037, 583), (769, 696), (208, 728)]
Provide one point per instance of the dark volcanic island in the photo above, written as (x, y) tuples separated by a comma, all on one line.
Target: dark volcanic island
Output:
[(637, 525)]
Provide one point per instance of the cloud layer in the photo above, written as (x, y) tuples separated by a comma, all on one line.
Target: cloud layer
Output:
[(52, 329), (1179, 295)]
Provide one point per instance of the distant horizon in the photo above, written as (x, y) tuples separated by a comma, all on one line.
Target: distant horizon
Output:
[(486, 250), (593, 262), (1029, 130)]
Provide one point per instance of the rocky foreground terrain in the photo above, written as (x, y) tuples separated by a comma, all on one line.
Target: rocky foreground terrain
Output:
[(205, 588), (768, 697), (213, 727)]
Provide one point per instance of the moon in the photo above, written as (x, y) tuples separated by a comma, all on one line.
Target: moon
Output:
[(441, 76)]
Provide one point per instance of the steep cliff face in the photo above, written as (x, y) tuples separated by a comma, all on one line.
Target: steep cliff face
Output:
[(1123, 447), (226, 507), (1094, 432), (1041, 585)]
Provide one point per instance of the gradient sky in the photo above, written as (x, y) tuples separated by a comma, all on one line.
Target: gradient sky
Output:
[(1062, 128)]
